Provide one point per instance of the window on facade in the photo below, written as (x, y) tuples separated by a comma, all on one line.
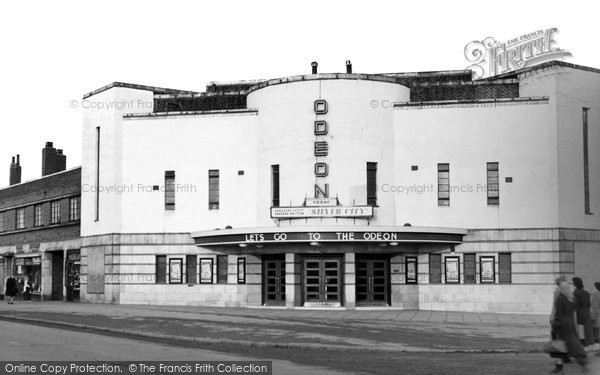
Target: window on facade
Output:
[(38, 218), (74, 208), (586, 167), (452, 270), (470, 268), (169, 190), (191, 262), (2, 224), (97, 195), (213, 189), (493, 184), (222, 269), (54, 212), (372, 184), (444, 184), (435, 268), (275, 185), (504, 268), (161, 269), (20, 218)]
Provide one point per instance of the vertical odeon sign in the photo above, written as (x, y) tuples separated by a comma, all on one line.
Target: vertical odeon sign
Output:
[(321, 148)]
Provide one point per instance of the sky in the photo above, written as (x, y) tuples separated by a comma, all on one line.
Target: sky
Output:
[(55, 52)]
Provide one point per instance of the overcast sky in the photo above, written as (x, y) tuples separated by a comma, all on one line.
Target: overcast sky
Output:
[(54, 52)]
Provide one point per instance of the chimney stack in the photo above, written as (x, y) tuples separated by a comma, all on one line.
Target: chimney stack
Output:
[(314, 65), (53, 160), (15, 171), (348, 67)]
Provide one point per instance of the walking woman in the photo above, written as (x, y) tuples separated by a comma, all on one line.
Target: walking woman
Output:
[(564, 325), (584, 318), (11, 289)]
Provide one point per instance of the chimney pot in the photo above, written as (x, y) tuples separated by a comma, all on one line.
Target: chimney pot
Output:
[(15, 172), (314, 65), (59, 151), (48, 144), (348, 66), (18, 159), (13, 160)]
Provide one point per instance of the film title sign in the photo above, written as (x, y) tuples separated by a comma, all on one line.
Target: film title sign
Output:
[(308, 212), (490, 57)]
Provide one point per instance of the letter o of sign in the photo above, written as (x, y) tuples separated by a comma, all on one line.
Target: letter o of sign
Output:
[(280, 236)]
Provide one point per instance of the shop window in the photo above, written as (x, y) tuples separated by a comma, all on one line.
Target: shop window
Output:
[(169, 190), (372, 184), (275, 185), (175, 270), (493, 184), (504, 268), (74, 209), (191, 261), (20, 218), (55, 212), (470, 268), (213, 189), (221, 269), (161, 269), (435, 268), (487, 270), (444, 184), (452, 270), (28, 272)]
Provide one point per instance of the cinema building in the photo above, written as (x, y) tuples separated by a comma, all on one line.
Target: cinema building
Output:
[(39, 230), (426, 191)]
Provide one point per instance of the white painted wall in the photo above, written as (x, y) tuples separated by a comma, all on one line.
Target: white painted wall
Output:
[(522, 138)]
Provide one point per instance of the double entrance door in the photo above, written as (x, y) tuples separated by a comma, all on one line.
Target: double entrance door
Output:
[(274, 280), (372, 281), (322, 281)]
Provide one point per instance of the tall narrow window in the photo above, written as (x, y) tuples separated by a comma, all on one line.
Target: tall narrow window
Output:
[(444, 184), (38, 218), (2, 223), (221, 269), (275, 185), (470, 268), (74, 209), (55, 212), (97, 205), (435, 268), (504, 268), (161, 269), (586, 167), (169, 190), (372, 184), (493, 184), (213, 189), (20, 218), (191, 262)]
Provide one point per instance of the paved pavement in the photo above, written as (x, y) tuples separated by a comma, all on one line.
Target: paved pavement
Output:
[(379, 330)]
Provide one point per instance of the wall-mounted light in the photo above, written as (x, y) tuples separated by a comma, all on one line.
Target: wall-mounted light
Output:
[(383, 244), (315, 244), (242, 245), (393, 243), (259, 246)]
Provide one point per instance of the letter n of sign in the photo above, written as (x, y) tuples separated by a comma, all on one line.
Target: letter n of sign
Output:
[(320, 192)]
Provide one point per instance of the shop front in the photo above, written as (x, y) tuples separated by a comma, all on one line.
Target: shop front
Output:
[(28, 273)]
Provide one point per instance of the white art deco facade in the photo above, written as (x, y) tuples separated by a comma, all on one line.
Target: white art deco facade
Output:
[(406, 190)]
